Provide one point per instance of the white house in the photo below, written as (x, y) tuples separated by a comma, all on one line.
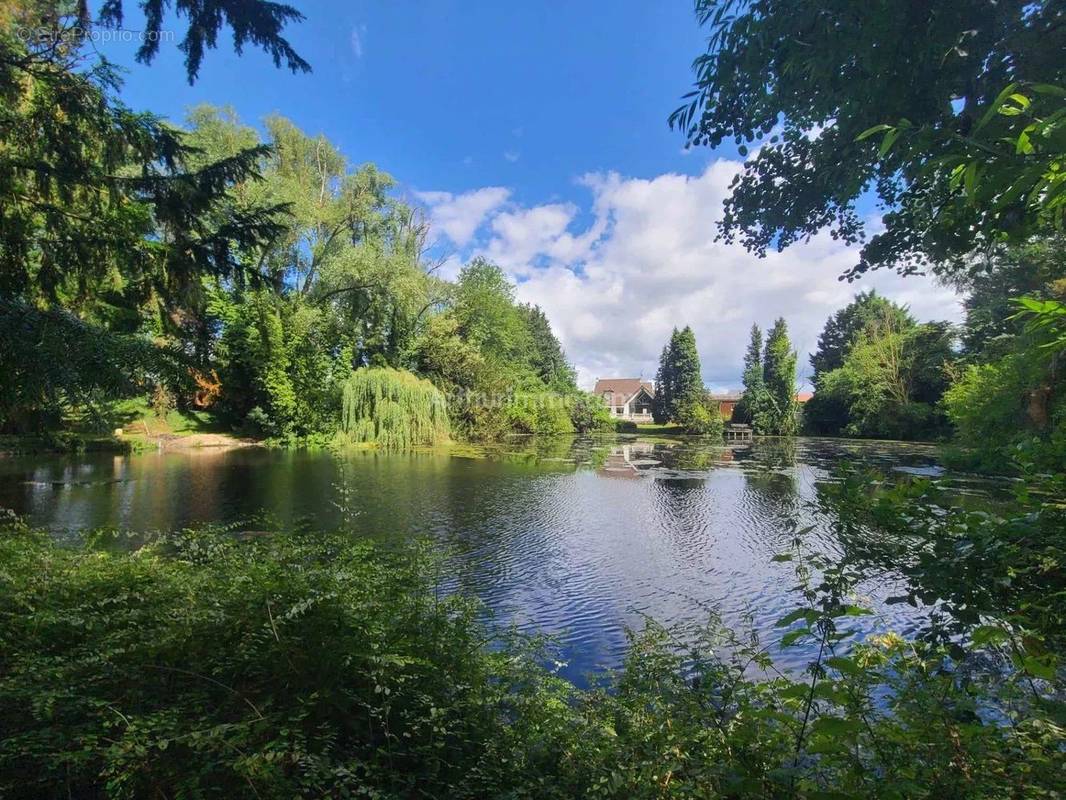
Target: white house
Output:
[(628, 398)]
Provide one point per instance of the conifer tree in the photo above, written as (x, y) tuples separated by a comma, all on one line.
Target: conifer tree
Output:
[(752, 378), (779, 377)]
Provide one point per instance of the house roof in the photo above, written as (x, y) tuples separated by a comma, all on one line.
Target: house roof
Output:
[(731, 397), (623, 388)]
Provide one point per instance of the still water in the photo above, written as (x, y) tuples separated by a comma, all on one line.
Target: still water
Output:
[(574, 538)]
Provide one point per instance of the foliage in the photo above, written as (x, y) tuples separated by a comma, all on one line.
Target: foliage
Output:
[(961, 140), (109, 214), (879, 373), (775, 410), (844, 327), (696, 418), (992, 283), (393, 408), (588, 414), (52, 362), (1018, 400), (299, 665), (678, 382), (754, 387)]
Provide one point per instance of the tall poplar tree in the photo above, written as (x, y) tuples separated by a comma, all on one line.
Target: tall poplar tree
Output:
[(779, 377), (752, 378)]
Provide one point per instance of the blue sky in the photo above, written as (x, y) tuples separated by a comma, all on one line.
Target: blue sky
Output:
[(535, 133)]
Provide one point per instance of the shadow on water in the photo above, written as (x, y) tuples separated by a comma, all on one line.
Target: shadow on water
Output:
[(574, 537)]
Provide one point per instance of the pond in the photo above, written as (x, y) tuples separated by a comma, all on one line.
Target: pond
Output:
[(575, 538)]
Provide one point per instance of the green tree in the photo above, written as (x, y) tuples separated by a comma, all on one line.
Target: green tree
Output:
[(778, 413), (828, 411), (679, 380), (891, 380), (109, 214), (548, 359), (843, 328), (960, 139), (754, 386), (664, 391)]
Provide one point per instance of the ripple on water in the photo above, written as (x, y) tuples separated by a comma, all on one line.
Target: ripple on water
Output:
[(574, 539)]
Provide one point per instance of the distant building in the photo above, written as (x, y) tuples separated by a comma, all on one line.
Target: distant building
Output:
[(726, 401), (627, 398)]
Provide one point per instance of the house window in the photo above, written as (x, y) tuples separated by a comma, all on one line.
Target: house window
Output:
[(619, 410)]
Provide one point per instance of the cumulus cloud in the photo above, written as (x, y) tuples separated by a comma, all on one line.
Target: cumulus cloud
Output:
[(648, 261), (458, 216)]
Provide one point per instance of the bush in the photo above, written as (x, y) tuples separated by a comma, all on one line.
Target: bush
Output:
[(294, 665), (625, 426), (540, 412), (589, 414), (695, 418)]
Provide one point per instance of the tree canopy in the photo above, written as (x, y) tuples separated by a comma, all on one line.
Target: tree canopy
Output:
[(951, 112)]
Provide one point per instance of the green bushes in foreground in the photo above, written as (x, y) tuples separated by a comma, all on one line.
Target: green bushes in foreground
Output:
[(206, 664)]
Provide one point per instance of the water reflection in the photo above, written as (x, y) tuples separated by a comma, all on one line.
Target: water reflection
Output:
[(574, 537)]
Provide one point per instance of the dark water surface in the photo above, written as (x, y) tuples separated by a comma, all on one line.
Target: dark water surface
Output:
[(573, 538)]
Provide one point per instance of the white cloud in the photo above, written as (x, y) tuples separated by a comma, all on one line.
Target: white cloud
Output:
[(458, 216), (357, 35), (648, 261), (511, 155)]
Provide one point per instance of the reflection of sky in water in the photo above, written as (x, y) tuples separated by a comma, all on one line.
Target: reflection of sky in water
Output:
[(570, 538)]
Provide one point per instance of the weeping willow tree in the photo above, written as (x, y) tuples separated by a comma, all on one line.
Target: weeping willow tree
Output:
[(392, 408)]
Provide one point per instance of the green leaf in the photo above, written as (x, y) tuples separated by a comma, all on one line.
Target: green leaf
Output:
[(866, 134), (807, 614), (845, 665), (782, 557), (988, 634)]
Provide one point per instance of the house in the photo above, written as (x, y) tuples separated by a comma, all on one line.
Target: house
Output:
[(726, 401), (627, 398)]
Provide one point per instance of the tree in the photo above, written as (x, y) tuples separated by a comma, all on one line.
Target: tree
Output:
[(660, 409), (548, 359), (685, 366), (106, 213), (754, 387), (890, 382), (779, 417), (949, 111), (842, 329), (994, 281), (828, 411), (679, 380)]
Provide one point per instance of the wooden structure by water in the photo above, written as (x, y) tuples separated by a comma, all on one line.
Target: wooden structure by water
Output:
[(738, 433)]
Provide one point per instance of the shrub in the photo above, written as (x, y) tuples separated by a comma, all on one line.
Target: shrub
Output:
[(625, 426), (695, 418), (309, 665), (588, 414)]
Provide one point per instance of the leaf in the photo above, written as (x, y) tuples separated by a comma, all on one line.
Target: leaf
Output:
[(887, 142), (835, 726), (807, 614), (866, 134), (988, 634), (782, 557), (792, 637), (1001, 98), (845, 665)]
